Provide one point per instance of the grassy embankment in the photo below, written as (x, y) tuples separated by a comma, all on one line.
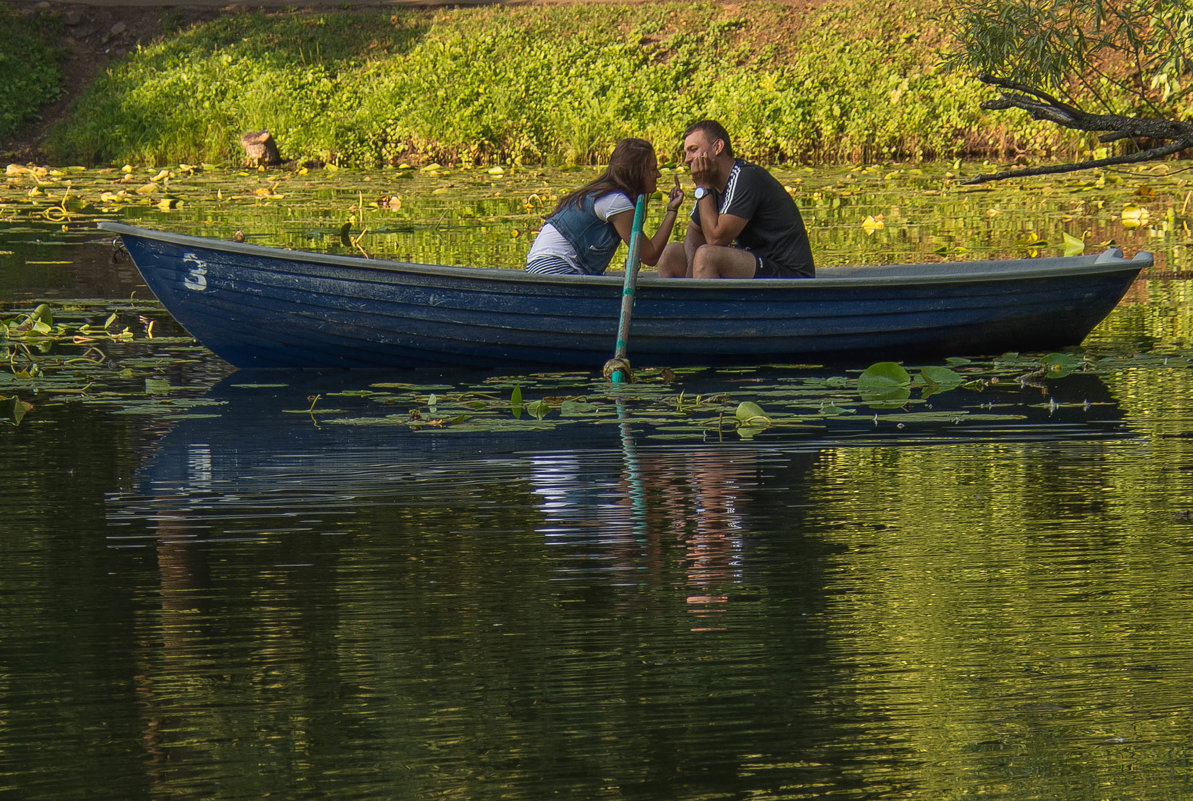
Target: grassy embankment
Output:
[(850, 82), (30, 75)]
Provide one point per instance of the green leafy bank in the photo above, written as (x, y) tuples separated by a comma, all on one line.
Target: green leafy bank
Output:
[(558, 84), (30, 75)]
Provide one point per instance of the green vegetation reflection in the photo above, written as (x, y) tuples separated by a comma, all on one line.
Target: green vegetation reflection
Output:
[(487, 217)]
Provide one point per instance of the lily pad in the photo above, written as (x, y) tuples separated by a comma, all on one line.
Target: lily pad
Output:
[(572, 408), (939, 379), (884, 385), (516, 402), (13, 410), (1059, 365), (751, 420), (1073, 246)]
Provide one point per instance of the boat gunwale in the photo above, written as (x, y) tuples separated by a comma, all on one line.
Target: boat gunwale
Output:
[(962, 272)]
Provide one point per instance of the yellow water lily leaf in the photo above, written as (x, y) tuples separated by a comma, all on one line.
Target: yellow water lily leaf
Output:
[(1073, 246), (1031, 244), (1134, 216), (73, 203)]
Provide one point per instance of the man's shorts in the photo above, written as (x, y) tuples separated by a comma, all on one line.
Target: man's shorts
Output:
[(765, 268)]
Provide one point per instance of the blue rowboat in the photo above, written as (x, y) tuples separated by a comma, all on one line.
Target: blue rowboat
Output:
[(265, 307)]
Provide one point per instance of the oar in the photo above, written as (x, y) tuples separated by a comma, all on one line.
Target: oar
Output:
[(618, 368)]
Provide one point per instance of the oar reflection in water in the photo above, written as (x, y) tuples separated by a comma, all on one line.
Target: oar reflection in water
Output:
[(666, 517)]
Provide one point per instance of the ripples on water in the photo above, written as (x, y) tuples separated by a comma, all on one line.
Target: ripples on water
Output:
[(280, 609)]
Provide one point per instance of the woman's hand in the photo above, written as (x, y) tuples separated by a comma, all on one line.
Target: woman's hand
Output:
[(675, 198)]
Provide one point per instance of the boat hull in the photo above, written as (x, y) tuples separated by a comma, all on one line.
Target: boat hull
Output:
[(267, 307)]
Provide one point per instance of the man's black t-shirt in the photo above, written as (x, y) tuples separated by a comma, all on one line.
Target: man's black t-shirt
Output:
[(774, 229)]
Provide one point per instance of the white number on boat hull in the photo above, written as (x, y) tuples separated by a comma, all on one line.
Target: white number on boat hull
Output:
[(196, 274)]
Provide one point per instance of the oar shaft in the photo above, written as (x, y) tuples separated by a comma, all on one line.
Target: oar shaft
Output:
[(631, 277)]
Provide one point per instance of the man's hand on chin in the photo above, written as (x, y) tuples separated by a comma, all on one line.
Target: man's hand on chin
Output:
[(703, 171)]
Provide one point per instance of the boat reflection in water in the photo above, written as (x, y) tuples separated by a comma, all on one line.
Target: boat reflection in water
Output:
[(608, 496)]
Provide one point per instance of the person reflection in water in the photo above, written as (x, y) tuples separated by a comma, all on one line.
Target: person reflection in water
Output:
[(635, 519), (696, 498)]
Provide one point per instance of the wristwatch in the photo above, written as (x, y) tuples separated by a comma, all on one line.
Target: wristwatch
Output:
[(701, 192)]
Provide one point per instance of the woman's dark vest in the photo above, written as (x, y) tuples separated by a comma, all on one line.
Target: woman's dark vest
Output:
[(593, 239)]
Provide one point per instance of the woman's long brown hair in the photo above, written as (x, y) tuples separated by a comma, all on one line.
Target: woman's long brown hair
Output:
[(627, 172)]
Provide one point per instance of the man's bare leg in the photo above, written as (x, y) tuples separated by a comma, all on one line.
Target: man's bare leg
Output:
[(674, 262), (715, 261)]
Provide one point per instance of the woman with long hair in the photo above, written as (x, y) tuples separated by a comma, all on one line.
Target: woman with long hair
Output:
[(581, 235)]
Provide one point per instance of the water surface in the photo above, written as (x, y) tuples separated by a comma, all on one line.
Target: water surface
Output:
[(235, 585)]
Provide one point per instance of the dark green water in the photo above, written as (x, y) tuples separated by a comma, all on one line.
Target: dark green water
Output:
[(222, 591)]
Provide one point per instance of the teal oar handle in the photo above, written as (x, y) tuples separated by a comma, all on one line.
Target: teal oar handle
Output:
[(632, 263)]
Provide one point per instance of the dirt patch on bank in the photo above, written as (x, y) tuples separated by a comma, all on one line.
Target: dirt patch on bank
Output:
[(94, 36)]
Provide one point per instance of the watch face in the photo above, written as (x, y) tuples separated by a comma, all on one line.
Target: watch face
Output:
[(700, 192)]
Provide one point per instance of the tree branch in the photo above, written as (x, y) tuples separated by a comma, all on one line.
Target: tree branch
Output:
[(1015, 86), (1113, 127), (1054, 169)]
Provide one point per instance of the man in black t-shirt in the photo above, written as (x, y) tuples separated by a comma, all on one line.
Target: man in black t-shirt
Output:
[(744, 224)]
